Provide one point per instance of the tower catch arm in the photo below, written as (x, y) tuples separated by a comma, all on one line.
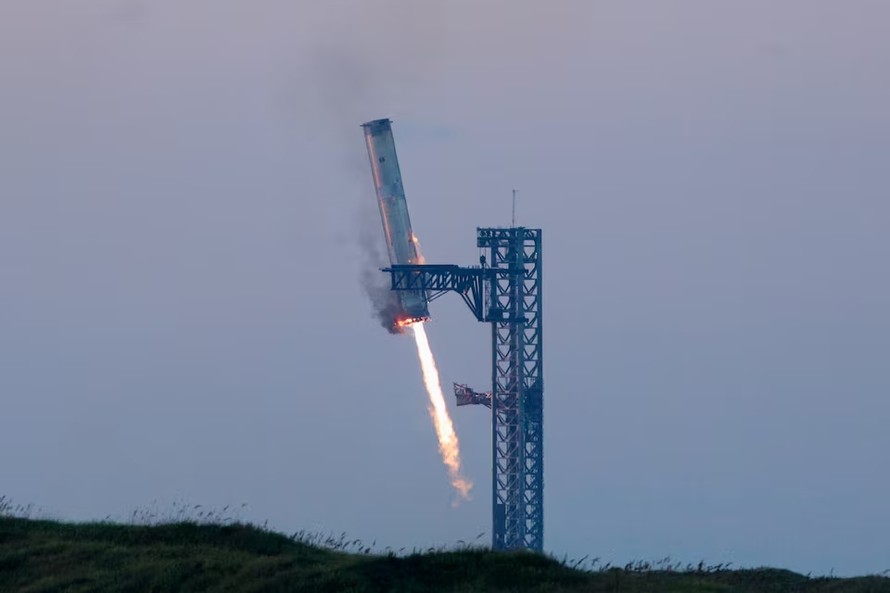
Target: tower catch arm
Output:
[(436, 279)]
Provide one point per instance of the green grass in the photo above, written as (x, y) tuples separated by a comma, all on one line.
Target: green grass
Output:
[(43, 556)]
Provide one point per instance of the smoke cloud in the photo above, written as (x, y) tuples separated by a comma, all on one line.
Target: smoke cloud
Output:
[(372, 72), (385, 304)]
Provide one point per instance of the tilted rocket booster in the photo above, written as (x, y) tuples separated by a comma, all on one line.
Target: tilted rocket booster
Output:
[(401, 243)]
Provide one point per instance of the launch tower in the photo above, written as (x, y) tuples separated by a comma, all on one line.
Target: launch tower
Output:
[(504, 291)]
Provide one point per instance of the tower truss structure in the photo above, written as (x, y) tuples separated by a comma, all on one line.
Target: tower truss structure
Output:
[(504, 291)]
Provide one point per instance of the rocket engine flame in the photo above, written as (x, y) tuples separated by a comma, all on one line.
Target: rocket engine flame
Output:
[(411, 308), (449, 447)]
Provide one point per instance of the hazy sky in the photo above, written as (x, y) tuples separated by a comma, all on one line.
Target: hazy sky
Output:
[(183, 185)]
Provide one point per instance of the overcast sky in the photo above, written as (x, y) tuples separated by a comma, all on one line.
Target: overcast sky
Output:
[(183, 185)]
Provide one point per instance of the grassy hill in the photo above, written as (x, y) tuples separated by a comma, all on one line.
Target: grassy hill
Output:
[(52, 556)]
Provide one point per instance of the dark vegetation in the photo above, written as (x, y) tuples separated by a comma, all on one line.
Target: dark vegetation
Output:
[(41, 555)]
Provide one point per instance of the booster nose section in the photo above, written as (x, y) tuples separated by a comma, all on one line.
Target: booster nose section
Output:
[(401, 244)]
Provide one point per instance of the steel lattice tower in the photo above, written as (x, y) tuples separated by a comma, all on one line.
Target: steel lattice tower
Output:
[(506, 292), (517, 386)]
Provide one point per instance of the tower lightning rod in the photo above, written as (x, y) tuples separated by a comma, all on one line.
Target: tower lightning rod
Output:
[(514, 208)]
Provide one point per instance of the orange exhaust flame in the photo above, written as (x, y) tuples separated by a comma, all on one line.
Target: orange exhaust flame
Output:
[(449, 446)]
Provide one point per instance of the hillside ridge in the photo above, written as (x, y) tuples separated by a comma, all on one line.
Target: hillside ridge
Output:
[(44, 556)]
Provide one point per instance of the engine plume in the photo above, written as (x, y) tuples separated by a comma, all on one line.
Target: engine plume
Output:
[(449, 446)]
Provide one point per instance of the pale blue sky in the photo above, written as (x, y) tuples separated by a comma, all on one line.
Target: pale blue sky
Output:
[(181, 188)]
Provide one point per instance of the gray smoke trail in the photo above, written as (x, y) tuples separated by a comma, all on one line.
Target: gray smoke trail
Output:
[(363, 71), (385, 305)]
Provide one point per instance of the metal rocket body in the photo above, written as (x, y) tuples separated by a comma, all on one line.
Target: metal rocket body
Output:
[(401, 242)]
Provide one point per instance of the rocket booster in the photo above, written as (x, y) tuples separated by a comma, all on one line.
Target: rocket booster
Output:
[(401, 243)]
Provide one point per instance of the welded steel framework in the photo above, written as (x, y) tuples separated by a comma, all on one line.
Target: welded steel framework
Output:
[(517, 386), (506, 292), (434, 280)]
